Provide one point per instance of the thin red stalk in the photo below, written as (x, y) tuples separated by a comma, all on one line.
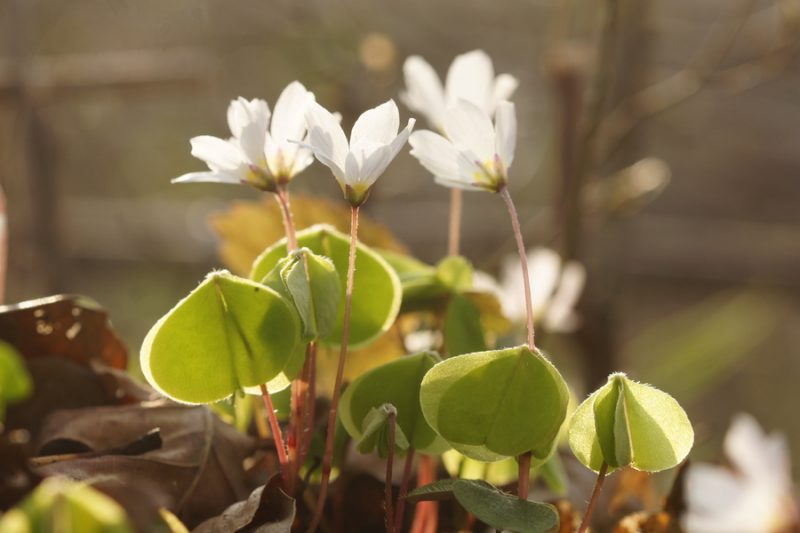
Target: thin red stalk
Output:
[(327, 459), (524, 480), (277, 435), (401, 496), (512, 212), (282, 194), (454, 229), (426, 514), (598, 486), (310, 404), (389, 518)]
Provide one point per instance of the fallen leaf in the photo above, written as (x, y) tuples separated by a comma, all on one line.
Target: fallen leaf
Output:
[(69, 326), (196, 473), (267, 510)]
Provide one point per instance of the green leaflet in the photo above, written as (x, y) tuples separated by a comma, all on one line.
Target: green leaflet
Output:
[(227, 334), (59, 504), (376, 292), (375, 431), (15, 382), (396, 383), (497, 509), (495, 404), (625, 423)]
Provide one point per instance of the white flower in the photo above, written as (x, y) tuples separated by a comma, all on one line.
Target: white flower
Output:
[(476, 154), (374, 143), (755, 497), (471, 77), (260, 153), (555, 289)]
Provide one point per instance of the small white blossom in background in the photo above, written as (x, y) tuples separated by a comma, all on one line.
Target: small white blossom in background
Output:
[(555, 289), (374, 143), (260, 152), (470, 77), (755, 496), (476, 154)]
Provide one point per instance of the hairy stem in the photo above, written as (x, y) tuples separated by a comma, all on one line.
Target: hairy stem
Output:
[(454, 228), (523, 259), (389, 516), (598, 486), (277, 435), (524, 483), (282, 195), (401, 496), (327, 459)]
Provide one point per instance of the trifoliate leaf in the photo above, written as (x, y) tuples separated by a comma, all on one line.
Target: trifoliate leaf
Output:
[(227, 334), (625, 423), (376, 431), (462, 327), (396, 383), (495, 404), (313, 283), (376, 291)]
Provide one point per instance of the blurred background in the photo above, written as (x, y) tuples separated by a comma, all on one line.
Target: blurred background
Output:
[(659, 144)]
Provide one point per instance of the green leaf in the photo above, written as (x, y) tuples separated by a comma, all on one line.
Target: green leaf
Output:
[(625, 423), (397, 383), (455, 274), (376, 292), (59, 504), (227, 334), (15, 382), (375, 431), (497, 509), (313, 284), (463, 332), (495, 404)]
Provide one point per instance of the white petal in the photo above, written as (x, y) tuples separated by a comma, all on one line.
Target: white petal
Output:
[(469, 126), (424, 93), (219, 177), (242, 112), (456, 184), (374, 164), (217, 153), (544, 268), (329, 138), (378, 124), (754, 454), (288, 120), (506, 132), (320, 143), (252, 141), (400, 140), (471, 77), (560, 315), (504, 87), (436, 154)]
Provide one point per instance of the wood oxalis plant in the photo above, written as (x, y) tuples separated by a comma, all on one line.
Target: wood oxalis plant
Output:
[(234, 336)]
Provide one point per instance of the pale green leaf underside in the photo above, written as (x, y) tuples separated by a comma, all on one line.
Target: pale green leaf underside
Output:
[(227, 334), (496, 403), (625, 423), (376, 292), (397, 383)]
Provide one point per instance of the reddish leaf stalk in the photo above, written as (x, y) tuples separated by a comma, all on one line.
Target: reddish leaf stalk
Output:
[(512, 213), (282, 194), (426, 514), (401, 496), (454, 228), (598, 486), (524, 483), (327, 459), (277, 435), (309, 404), (389, 518)]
